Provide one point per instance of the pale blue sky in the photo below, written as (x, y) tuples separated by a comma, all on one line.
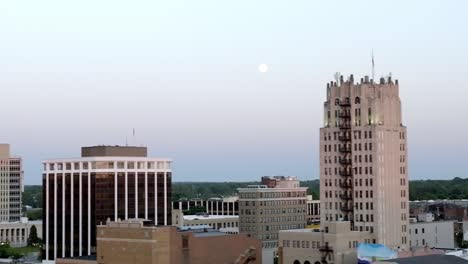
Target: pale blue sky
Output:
[(184, 75)]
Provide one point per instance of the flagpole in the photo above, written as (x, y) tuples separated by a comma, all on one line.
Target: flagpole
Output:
[(373, 65)]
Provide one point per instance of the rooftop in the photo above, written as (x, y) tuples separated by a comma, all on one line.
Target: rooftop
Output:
[(431, 259), (201, 231), (304, 230), (90, 257), (209, 217)]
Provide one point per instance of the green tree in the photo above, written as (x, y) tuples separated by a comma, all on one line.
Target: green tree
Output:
[(5, 250), (33, 239), (194, 210), (35, 214)]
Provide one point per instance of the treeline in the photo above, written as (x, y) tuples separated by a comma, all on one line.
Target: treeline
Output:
[(418, 190), (219, 189), (438, 189), (32, 195)]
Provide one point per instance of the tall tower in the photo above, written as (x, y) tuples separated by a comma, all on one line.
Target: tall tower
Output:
[(11, 185), (363, 169)]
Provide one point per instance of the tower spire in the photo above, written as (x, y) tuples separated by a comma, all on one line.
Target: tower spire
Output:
[(373, 65)]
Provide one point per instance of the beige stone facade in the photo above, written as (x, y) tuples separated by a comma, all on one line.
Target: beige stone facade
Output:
[(363, 160), (334, 243), (11, 185), (278, 204)]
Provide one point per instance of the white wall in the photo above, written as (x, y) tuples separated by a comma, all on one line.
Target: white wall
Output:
[(436, 234)]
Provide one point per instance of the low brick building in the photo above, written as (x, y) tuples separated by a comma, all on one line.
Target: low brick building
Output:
[(131, 242)]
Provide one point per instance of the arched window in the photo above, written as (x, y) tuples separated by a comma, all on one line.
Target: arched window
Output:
[(306, 262), (297, 262), (337, 101), (317, 262), (357, 100)]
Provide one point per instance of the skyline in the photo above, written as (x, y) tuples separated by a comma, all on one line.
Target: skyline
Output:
[(186, 79)]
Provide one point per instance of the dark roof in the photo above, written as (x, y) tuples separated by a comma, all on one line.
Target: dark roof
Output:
[(89, 257), (430, 259)]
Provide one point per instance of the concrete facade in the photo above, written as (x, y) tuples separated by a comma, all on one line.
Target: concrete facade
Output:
[(11, 185), (263, 210), (439, 234), (334, 243), (363, 160), (17, 233)]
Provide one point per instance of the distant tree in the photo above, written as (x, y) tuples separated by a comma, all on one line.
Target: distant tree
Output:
[(32, 196), (33, 238), (195, 209), (456, 188), (35, 214)]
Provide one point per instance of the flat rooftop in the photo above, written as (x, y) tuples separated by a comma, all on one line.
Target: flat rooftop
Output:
[(431, 259), (201, 231), (209, 217), (304, 230)]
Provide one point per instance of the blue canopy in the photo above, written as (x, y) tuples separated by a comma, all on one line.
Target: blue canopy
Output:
[(367, 253)]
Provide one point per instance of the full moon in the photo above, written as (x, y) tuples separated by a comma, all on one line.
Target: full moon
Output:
[(263, 68)]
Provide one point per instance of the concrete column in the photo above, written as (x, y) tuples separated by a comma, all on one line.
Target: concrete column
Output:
[(146, 195), (71, 213), (165, 198), (156, 198), (116, 206), (126, 192), (136, 193)]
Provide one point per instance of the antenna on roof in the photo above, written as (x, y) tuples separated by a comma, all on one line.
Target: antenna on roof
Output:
[(373, 64)]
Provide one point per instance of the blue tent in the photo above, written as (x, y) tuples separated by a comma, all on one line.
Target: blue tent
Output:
[(374, 252)]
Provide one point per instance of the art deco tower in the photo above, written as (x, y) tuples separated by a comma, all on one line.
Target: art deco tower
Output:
[(363, 169)]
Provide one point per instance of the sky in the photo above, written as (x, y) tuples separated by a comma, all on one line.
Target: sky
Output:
[(184, 75)]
